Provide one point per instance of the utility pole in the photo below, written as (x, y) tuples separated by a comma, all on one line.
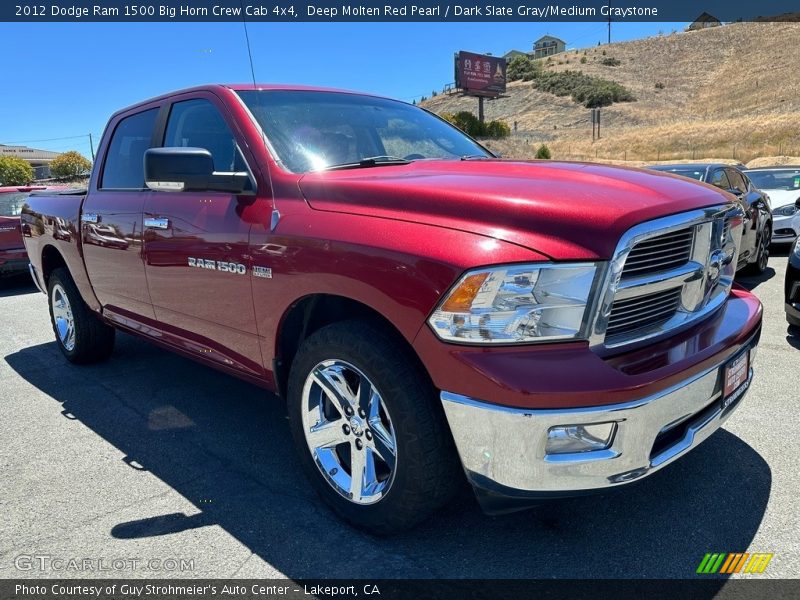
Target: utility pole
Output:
[(609, 23), (91, 146)]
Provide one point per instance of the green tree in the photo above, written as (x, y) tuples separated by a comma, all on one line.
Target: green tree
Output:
[(497, 129), (543, 152), (469, 124), (15, 171), (523, 68), (69, 164)]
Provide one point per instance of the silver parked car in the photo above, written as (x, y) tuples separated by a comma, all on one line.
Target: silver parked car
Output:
[(783, 186)]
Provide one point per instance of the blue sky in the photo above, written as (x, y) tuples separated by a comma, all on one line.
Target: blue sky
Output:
[(71, 76)]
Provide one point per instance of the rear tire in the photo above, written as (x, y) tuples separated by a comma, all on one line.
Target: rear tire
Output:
[(81, 335), (383, 418)]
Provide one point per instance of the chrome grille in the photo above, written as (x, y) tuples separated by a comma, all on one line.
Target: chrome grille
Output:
[(668, 273), (642, 312), (660, 253)]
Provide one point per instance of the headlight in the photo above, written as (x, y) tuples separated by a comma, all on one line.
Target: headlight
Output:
[(785, 211), (516, 304), (796, 248)]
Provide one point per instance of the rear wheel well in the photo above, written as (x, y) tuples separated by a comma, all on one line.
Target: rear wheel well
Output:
[(51, 260), (311, 313)]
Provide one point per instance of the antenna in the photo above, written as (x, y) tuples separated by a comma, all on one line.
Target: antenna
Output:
[(247, 39), (276, 215)]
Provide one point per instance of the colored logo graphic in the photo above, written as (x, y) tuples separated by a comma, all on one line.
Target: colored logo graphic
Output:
[(734, 562)]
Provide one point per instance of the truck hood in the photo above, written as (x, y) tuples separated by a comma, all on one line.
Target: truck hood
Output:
[(562, 210)]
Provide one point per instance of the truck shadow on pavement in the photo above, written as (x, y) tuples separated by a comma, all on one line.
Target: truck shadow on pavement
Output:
[(225, 446), (751, 282)]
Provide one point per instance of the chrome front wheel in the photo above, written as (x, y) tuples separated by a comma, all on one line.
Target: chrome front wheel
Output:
[(63, 320), (349, 432), (369, 427)]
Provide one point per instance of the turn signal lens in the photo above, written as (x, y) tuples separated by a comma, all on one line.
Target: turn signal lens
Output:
[(460, 299)]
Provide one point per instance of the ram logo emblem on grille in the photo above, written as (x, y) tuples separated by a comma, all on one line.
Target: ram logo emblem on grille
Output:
[(714, 268)]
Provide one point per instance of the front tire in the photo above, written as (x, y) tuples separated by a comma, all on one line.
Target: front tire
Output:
[(760, 265), (80, 334), (369, 429)]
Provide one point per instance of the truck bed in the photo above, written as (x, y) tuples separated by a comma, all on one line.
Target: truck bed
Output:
[(51, 230)]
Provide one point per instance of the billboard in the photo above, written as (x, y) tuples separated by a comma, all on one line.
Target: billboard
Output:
[(480, 74)]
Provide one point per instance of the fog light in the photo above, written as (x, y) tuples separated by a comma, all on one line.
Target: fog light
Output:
[(566, 439)]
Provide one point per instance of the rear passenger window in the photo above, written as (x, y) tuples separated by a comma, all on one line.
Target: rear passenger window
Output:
[(124, 168), (198, 124)]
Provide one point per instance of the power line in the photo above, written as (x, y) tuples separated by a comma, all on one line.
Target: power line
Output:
[(69, 137)]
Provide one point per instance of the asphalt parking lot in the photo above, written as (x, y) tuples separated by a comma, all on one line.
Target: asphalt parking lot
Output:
[(155, 458)]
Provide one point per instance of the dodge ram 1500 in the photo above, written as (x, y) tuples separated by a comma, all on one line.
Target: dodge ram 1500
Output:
[(426, 309)]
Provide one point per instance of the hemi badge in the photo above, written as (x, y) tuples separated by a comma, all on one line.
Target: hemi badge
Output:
[(264, 272)]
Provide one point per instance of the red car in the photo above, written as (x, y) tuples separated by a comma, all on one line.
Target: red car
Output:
[(13, 258), (427, 311)]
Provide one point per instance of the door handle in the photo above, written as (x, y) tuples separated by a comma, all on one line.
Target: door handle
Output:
[(154, 223), (90, 218)]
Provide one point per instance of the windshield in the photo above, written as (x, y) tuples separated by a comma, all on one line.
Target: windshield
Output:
[(11, 203), (777, 179), (693, 173), (318, 130)]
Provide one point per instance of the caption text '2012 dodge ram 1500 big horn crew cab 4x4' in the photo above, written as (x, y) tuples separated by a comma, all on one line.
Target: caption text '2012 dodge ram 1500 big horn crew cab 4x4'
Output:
[(555, 328)]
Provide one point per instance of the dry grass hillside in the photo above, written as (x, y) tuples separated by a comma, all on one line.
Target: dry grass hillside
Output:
[(730, 92)]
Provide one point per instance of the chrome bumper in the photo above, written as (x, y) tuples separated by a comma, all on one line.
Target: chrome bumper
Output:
[(503, 450)]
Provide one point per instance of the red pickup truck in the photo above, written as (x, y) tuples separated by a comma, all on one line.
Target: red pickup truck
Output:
[(425, 309)]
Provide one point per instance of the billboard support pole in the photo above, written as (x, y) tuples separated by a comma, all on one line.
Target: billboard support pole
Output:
[(480, 109)]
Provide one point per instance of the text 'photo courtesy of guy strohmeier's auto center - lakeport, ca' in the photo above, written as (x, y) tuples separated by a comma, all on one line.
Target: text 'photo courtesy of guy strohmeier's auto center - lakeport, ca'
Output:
[(400, 300)]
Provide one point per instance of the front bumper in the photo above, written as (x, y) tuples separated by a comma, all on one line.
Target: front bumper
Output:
[(785, 229), (503, 447)]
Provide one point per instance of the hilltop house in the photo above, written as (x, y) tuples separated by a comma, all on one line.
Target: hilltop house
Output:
[(39, 159), (544, 46), (704, 21), (512, 54), (547, 46)]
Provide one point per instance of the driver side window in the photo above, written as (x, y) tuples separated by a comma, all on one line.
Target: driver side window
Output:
[(198, 124)]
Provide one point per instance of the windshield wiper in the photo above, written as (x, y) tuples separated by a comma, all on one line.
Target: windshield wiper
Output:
[(476, 157), (370, 161)]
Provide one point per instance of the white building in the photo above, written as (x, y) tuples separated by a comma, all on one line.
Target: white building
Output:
[(39, 159)]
